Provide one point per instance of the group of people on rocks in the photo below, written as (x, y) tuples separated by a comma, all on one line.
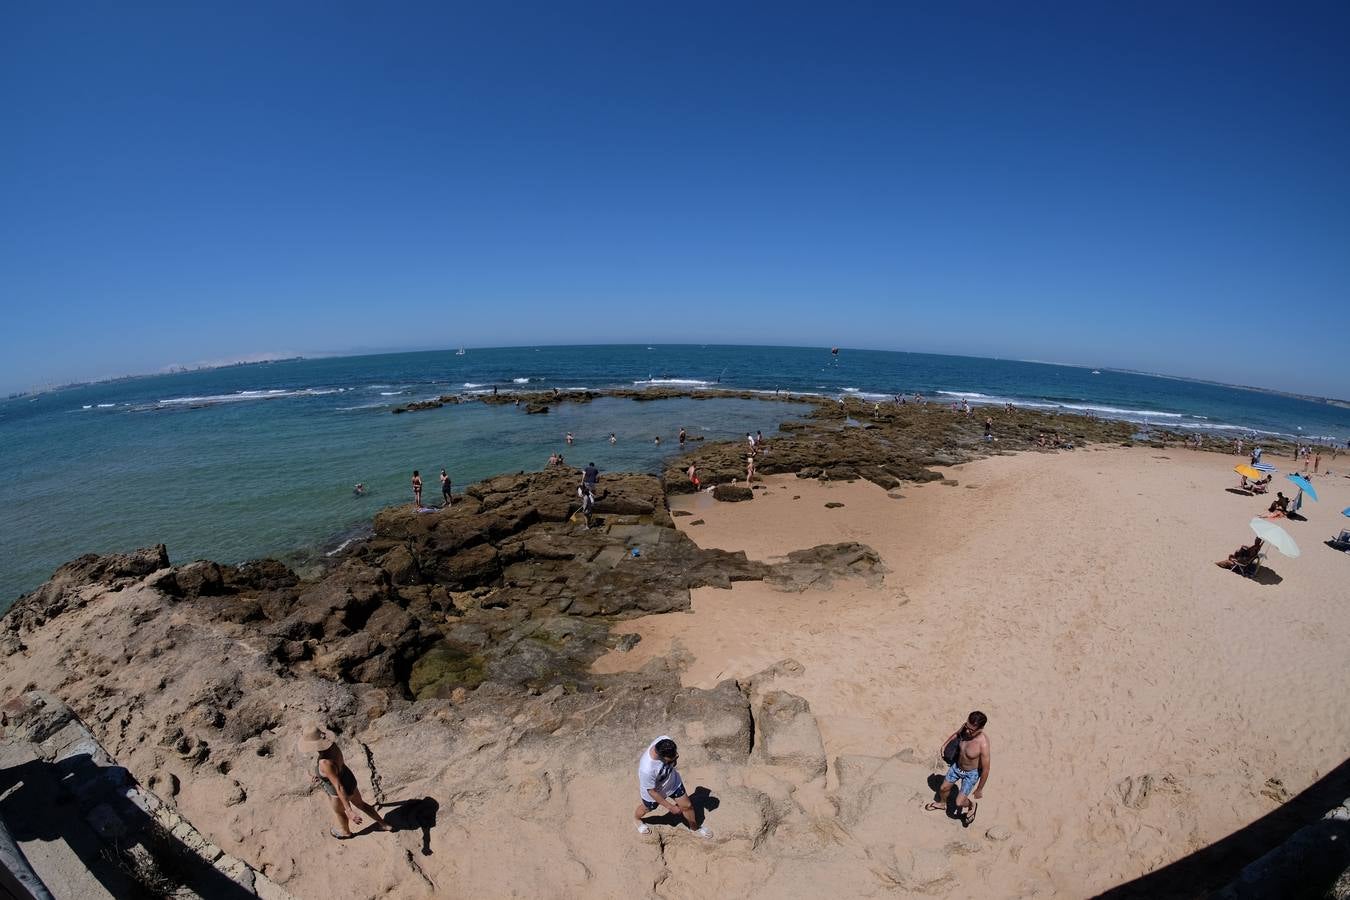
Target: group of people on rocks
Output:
[(966, 751)]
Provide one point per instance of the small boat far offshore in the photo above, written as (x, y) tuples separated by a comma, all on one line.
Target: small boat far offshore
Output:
[(459, 352)]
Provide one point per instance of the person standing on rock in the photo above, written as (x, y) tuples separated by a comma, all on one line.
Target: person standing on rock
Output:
[(969, 769), (750, 468), (417, 489), (988, 428), (590, 478), (338, 782), (659, 784), (445, 490)]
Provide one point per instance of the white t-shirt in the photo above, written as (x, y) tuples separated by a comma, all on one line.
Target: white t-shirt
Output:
[(649, 774)]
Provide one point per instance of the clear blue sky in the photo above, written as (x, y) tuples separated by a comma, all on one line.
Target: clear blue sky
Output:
[(1155, 186)]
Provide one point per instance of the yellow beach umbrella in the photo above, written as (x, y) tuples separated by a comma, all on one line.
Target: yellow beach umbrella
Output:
[(1248, 472)]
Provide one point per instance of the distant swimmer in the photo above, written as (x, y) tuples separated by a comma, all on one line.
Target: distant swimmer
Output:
[(359, 490), (657, 440), (612, 439), (568, 438)]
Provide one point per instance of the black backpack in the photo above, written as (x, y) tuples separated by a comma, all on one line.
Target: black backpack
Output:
[(952, 752)]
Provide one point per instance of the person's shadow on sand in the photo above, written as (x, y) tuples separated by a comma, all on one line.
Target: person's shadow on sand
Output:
[(412, 814)]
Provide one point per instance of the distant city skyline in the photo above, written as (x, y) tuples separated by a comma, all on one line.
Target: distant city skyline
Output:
[(1155, 187)]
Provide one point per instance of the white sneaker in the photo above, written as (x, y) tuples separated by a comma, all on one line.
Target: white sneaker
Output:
[(644, 828), (704, 832)]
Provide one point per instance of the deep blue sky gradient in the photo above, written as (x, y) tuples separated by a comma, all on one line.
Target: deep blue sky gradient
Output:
[(1157, 186)]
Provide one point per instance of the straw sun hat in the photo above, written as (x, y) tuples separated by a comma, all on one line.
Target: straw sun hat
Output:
[(314, 739)]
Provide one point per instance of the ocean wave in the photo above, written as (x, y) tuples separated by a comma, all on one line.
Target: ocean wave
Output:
[(87, 406), (970, 395), (1117, 411), (470, 384), (242, 397), (391, 393), (693, 381), (340, 547), (851, 390), (362, 406), (106, 405), (520, 381)]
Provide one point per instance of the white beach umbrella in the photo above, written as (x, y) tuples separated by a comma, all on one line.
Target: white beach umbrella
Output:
[(1275, 536)]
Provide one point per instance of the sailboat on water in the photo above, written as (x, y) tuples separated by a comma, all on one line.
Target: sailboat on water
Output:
[(459, 352)]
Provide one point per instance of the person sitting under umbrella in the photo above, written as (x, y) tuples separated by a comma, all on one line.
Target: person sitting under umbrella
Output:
[(1242, 557), (1279, 508)]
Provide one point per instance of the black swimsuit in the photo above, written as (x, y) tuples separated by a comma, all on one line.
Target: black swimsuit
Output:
[(346, 777)]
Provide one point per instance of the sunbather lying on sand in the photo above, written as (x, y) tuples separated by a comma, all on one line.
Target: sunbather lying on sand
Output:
[(1279, 508)]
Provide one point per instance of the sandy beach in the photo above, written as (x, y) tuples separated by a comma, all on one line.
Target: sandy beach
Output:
[(1142, 702)]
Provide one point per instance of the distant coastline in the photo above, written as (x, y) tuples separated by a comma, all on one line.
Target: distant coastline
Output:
[(170, 370)]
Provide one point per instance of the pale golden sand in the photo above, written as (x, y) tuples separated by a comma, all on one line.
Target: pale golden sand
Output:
[(1073, 598)]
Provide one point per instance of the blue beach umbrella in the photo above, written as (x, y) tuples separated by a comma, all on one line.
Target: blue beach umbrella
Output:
[(1303, 485), (1346, 511)]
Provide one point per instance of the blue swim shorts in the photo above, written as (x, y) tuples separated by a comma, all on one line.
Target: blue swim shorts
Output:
[(967, 780), (652, 804)]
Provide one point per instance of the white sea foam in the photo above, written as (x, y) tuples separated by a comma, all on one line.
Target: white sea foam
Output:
[(390, 393), (851, 390), (1117, 411), (470, 384), (969, 395), (520, 381), (106, 405), (693, 381), (86, 406), (340, 547), (243, 396)]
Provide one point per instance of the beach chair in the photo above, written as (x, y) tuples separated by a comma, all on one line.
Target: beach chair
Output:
[(1341, 541), (1250, 569)]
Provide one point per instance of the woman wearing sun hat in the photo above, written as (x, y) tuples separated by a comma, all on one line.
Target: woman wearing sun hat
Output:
[(338, 782)]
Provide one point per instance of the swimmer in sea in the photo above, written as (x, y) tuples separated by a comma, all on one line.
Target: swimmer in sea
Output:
[(359, 490), (612, 439)]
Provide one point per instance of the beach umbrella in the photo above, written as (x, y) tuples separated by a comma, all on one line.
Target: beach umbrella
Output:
[(1275, 535), (1247, 471), (1346, 511), (1265, 467), (1303, 485)]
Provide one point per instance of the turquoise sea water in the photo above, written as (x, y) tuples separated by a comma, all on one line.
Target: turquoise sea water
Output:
[(235, 463)]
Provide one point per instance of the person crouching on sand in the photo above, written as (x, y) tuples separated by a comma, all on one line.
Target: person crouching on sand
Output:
[(659, 784), (338, 782), (970, 769)]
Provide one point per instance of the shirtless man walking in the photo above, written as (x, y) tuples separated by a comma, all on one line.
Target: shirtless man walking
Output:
[(971, 769)]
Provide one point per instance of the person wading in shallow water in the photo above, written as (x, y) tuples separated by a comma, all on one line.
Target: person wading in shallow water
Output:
[(970, 769), (338, 782)]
